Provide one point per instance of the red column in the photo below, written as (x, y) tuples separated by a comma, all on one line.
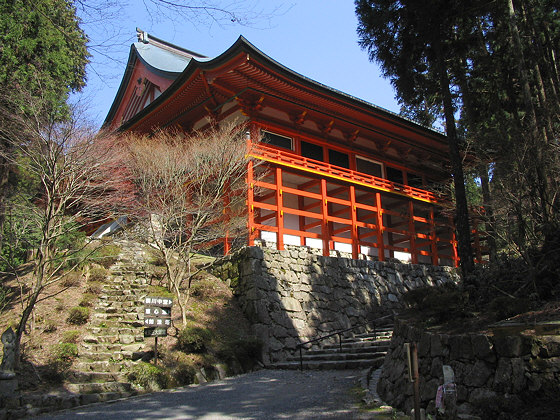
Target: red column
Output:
[(354, 217), (325, 234), (279, 210), (412, 233), (380, 244), (433, 237), (250, 206), (454, 244)]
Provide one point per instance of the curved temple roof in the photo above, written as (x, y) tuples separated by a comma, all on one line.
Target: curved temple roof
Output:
[(170, 61)]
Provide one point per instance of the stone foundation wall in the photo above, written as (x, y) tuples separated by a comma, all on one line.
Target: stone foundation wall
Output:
[(295, 295), (496, 370)]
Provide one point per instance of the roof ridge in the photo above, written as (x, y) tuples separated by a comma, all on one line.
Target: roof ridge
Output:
[(146, 38)]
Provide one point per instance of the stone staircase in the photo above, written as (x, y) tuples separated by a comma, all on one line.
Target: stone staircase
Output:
[(115, 334), (366, 350)]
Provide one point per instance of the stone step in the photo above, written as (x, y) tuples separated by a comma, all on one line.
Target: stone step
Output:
[(104, 397), (98, 356), (372, 335), (357, 345), (330, 364), (338, 356), (365, 339), (348, 349), (101, 366), (116, 317), (119, 339), (97, 388), (97, 377), (96, 347), (114, 330)]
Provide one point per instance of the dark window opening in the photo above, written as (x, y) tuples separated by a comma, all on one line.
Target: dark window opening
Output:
[(311, 151), (276, 140), (368, 167), (414, 180), (339, 159), (394, 175)]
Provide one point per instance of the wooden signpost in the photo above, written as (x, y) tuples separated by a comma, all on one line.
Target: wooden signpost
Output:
[(157, 318)]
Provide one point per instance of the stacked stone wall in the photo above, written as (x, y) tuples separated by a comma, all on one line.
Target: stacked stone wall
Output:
[(491, 370), (295, 295)]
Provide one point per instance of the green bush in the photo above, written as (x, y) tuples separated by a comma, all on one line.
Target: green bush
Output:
[(94, 288), (205, 288), (65, 352), (193, 339), (98, 274), (87, 300), (72, 279), (70, 336), (50, 326), (78, 315), (61, 358), (183, 374), (149, 376)]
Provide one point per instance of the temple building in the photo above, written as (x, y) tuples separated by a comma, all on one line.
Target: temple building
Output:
[(343, 174)]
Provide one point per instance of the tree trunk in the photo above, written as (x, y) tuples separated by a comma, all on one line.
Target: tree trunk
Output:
[(537, 149), (488, 210), (461, 207)]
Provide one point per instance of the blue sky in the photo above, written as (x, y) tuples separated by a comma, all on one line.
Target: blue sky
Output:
[(314, 38)]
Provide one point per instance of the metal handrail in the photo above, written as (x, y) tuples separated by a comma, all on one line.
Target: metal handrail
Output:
[(301, 346)]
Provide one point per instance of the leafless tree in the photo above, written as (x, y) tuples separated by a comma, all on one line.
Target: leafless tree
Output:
[(192, 194), (69, 163)]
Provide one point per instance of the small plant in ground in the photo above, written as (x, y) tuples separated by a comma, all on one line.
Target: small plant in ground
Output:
[(205, 288), (149, 376), (61, 358), (71, 336), (87, 299), (98, 274), (72, 279), (65, 352), (159, 291), (193, 339), (50, 326), (94, 287), (78, 315)]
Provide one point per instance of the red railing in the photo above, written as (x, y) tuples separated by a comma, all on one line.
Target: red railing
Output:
[(270, 154)]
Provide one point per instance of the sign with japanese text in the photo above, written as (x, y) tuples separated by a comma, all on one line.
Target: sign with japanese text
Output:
[(157, 316)]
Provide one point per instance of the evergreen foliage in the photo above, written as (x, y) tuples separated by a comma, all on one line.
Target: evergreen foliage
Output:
[(43, 48), (497, 63)]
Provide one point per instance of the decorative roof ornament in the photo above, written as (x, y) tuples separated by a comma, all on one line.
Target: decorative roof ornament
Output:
[(142, 36)]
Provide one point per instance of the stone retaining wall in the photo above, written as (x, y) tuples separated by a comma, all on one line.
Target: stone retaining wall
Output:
[(295, 295), (496, 370)]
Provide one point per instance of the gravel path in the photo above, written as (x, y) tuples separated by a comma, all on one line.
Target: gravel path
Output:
[(265, 394)]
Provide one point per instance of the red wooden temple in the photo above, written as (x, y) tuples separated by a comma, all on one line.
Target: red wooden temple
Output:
[(344, 175)]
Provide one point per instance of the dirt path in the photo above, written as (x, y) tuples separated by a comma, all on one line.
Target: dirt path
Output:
[(266, 394)]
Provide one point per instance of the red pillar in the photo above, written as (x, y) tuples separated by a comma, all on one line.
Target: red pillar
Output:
[(354, 217), (279, 210), (380, 243), (325, 234)]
